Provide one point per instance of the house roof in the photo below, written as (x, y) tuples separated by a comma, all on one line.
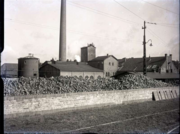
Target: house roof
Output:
[(176, 64), (136, 64), (10, 66), (74, 67), (102, 58)]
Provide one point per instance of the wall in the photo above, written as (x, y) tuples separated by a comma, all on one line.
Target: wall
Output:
[(112, 69), (14, 106), (83, 74)]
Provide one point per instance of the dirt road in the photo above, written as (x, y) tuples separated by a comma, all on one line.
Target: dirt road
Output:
[(156, 117)]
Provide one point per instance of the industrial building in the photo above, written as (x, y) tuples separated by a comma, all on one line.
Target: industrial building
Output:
[(28, 66), (9, 70), (108, 63), (69, 68), (88, 53)]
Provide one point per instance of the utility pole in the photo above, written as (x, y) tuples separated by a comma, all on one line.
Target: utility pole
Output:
[(144, 45)]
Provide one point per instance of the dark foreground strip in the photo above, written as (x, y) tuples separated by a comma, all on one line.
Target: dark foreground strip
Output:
[(109, 123), (173, 129)]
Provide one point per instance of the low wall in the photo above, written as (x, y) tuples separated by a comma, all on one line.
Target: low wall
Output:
[(37, 103)]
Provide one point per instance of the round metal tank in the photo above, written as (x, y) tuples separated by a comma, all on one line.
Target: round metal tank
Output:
[(28, 67)]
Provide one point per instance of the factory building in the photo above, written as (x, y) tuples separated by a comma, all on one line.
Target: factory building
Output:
[(108, 64), (88, 53), (59, 68), (28, 66), (9, 70)]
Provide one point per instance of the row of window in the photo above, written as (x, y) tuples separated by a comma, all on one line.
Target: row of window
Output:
[(111, 63), (108, 73)]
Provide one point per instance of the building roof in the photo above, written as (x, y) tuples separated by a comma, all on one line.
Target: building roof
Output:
[(28, 57), (176, 64), (10, 66), (74, 67), (136, 64), (89, 46), (102, 58)]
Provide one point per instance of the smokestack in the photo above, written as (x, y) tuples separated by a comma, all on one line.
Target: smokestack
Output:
[(62, 45)]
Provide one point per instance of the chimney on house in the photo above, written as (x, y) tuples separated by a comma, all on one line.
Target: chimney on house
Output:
[(125, 59), (107, 54), (167, 69), (170, 62)]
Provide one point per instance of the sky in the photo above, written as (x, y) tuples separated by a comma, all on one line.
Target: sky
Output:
[(113, 26)]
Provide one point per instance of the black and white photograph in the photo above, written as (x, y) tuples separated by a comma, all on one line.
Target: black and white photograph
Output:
[(90, 66)]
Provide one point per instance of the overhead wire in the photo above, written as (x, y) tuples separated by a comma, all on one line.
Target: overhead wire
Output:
[(165, 25), (160, 7), (156, 36), (102, 13), (128, 10), (54, 28)]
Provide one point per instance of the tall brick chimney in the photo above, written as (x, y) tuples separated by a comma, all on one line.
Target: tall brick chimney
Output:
[(62, 39)]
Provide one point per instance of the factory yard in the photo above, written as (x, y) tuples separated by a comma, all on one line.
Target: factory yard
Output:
[(151, 116)]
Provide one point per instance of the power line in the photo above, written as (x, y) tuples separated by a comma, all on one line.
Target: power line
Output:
[(54, 28), (166, 26), (157, 36), (160, 7), (129, 10), (102, 13)]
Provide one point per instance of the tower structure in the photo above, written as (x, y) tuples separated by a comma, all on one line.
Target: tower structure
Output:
[(62, 39), (88, 53)]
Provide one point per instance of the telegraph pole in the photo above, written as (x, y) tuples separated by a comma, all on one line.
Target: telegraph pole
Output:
[(144, 45)]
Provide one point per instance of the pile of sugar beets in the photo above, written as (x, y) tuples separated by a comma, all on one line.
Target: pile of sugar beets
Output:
[(62, 84)]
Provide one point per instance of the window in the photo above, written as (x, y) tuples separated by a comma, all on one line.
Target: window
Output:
[(35, 74), (113, 63), (109, 63), (149, 67), (106, 73), (154, 66)]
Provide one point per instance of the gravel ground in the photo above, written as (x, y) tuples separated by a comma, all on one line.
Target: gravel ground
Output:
[(129, 118)]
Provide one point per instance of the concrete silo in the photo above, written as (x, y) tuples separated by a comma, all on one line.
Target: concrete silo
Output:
[(28, 66)]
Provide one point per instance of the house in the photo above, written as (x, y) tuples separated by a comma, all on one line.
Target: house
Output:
[(108, 63), (9, 70), (157, 67), (60, 68)]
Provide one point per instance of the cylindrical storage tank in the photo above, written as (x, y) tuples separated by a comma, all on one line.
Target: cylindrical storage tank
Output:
[(28, 67)]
